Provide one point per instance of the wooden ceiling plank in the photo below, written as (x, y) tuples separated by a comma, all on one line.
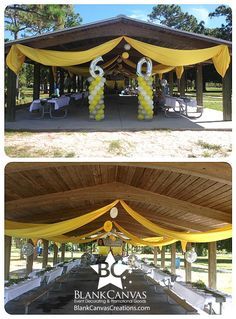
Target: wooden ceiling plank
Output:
[(120, 191)]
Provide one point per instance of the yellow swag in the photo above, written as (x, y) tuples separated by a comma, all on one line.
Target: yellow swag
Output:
[(51, 230), (200, 237), (168, 57), (219, 55)]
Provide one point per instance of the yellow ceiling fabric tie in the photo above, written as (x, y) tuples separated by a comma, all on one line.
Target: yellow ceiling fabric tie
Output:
[(200, 237), (184, 245), (172, 57), (51, 230), (18, 52)]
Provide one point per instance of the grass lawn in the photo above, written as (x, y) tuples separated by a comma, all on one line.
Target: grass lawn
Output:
[(199, 268)]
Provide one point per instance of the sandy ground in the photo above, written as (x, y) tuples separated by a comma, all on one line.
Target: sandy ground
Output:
[(117, 145)]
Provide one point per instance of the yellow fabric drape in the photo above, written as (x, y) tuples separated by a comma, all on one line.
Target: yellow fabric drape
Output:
[(83, 70), (75, 240), (167, 57), (135, 238), (18, 52), (51, 230), (66, 239), (200, 237), (219, 54)]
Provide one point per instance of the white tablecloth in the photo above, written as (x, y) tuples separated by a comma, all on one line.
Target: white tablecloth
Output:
[(196, 298), (53, 274), (146, 268), (15, 291), (159, 276), (172, 101), (58, 103), (77, 96)]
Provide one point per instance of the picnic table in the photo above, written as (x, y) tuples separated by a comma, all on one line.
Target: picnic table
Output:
[(48, 105), (182, 106), (16, 290), (200, 298)]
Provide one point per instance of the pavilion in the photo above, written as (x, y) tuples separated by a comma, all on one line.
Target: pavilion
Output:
[(191, 201), (88, 36)]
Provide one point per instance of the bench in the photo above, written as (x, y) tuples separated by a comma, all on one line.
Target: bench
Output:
[(180, 301)]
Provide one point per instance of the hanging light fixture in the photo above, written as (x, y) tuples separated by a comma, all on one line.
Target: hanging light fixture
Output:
[(119, 60), (114, 212)]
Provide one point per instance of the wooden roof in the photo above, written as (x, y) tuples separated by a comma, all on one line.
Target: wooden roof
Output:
[(178, 196), (89, 35)]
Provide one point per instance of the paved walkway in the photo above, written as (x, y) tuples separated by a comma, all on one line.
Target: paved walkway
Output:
[(61, 299), (120, 115)]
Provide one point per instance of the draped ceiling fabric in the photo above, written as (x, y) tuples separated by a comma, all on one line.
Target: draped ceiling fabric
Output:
[(166, 57), (56, 231)]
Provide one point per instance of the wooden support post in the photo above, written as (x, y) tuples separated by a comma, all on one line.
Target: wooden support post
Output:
[(62, 79), (11, 96), (78, 82), (227, 94), (199, 85), (212, 263), (55, 254), (163, 257), (45, 253), (182, 85), (36, 84), (51, 82), (82, 83), (29, 260), (171, 82), (188, 266), (7, 257), (63, 249), (173, 258), (155, 252), (73, 80)]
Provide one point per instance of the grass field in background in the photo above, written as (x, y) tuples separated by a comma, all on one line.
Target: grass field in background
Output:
[(212, 99), (199, 268)]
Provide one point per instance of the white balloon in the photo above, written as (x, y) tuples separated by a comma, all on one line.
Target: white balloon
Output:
[(146, 61)]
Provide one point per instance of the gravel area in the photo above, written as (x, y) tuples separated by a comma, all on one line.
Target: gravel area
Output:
[(147, 145)]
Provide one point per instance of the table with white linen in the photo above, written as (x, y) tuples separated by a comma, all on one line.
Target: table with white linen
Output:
[(198, 298), (53, 274), (146, 268), (16, 290), (56, 102), (160, 276), (77, 96)]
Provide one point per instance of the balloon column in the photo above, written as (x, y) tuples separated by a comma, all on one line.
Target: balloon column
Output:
[(96, 91), (145, 109)]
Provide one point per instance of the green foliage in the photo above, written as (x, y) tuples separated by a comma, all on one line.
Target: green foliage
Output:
[(38, 19), (172, 16), (225, 31), (147, 250), (14, 281)]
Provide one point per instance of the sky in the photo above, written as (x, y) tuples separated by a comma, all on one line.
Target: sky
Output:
[(91, 13), (100, 12)]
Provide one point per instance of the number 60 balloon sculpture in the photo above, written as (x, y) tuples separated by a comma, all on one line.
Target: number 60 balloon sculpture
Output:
[(96, 91), (145, 109)]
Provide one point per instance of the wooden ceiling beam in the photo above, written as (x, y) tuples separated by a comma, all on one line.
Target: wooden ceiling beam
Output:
[(114, 191), (219, 172)]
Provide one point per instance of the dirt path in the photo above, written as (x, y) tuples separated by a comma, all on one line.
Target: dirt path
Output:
[(148, 145)]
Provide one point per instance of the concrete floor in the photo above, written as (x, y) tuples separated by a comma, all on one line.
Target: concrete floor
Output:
[(61, 299), (120, 115)]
